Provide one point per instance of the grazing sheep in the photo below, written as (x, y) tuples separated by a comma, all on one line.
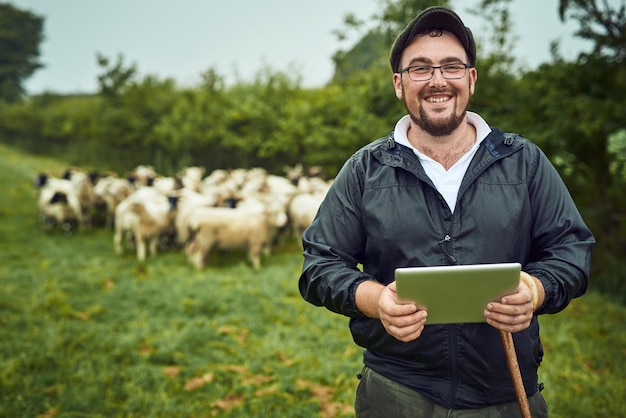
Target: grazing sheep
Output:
[(109, 191), (214, 179), (166, 185), (142, 175), (58, 203), (83, 184), (313, 185), (302, 210), (237, 208), (145, 215), (188, 202), (305, 203), (191, 178), (250, 226)]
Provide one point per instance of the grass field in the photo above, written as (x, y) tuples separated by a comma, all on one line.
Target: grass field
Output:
[(87, 333)]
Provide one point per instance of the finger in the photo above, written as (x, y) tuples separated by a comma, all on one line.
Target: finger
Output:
[(396, 310), (519, 298), (406, 321), (401, 321), (524, 293), (521, 318), (510, 310), (406, 333), (410, 336), (388, 302), (511, 323)]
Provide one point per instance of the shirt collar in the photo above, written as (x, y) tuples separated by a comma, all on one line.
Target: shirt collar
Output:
[(402, 128)]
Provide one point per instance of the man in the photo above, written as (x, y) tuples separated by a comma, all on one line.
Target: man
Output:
[(444, 188)]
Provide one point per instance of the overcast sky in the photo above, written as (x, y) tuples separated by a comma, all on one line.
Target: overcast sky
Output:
[(181, 39)]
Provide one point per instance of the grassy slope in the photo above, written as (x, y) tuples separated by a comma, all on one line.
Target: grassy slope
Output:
[(84, 332)]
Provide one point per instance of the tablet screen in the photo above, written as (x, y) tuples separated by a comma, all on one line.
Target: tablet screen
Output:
[(456, 294)]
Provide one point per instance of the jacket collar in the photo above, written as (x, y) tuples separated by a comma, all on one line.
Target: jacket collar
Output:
[(496, 145)]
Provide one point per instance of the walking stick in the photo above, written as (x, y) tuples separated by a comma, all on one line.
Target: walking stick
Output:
[(516, 375)]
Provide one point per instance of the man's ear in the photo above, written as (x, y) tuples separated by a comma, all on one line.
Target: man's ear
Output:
[(473, 78), (397, 85)]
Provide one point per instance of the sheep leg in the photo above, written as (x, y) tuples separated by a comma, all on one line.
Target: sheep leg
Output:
[(141, 245), (117, 240)]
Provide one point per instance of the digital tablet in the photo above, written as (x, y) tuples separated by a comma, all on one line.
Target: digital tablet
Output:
[(456, 294)]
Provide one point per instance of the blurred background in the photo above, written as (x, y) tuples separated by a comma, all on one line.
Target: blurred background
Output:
[(182, 40), (244, 84), (108, 86)]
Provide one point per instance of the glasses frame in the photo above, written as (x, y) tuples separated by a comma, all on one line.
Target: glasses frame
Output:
[(436, 67)]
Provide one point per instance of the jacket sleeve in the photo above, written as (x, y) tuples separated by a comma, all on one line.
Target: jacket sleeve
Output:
[(561, 243), (333, 246)]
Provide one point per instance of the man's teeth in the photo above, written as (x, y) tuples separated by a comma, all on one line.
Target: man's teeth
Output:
[(438, 99)]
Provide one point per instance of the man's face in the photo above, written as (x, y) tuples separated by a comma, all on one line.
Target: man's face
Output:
[(437, 106)]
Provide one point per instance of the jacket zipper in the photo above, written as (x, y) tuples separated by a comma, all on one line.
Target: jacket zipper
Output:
[(443, 245)]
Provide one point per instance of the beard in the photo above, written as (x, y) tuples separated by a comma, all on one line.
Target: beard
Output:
[(440, 127)]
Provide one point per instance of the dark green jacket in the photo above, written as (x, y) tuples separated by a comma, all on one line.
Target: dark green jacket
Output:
[(383, 212)]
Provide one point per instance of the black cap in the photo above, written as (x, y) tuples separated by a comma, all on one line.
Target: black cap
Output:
[(434, 18)]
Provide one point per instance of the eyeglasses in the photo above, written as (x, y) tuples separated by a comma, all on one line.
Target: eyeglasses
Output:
[(426, 72)]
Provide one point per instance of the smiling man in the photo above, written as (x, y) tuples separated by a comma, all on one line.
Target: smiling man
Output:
[(444, 188)]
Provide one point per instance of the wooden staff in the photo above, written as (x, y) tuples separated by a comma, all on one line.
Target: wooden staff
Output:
[(516, 374)]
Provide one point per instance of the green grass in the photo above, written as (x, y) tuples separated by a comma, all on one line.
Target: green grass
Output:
[(87, 333)]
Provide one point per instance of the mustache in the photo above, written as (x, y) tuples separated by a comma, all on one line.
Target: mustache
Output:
[(431, 91)]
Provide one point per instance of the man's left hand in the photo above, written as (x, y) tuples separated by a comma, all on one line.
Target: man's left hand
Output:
[(513, 312)]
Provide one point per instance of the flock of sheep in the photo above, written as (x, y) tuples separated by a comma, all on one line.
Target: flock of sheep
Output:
[(226, 209)]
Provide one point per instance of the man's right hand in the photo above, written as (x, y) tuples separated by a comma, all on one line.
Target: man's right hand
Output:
[(405, 322)]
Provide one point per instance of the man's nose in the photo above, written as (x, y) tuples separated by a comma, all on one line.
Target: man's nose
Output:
[(437, 78)]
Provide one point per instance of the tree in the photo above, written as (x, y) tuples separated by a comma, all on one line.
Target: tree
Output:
[(576, 112), (115, 77), (21, 32), (602, 24), (372, 49)]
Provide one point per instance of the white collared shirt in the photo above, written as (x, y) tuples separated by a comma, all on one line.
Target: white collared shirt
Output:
[(448, 181)]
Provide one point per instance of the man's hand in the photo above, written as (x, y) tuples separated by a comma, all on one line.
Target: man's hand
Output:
[(405, 322), (514, 312)]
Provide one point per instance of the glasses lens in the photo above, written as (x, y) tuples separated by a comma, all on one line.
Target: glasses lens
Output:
[(420, 73), (426, 72), (453, 71)]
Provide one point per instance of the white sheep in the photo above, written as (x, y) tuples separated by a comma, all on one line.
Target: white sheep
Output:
[(109, 191), (58, 203), (143, 175), (188, 202), (250, 226), (145, 215), (83, 185), (191, 177), (302, 210), (166, 185)]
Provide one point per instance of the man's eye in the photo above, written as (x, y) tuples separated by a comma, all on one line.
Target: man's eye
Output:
[(421, 70)]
